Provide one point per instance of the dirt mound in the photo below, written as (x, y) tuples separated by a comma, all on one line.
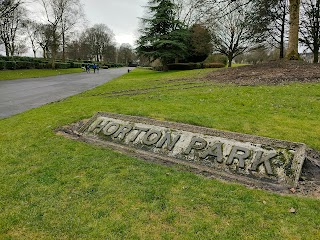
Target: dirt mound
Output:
[(271, 73)]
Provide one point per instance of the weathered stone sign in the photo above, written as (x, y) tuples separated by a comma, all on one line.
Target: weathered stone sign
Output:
[(246, 158)]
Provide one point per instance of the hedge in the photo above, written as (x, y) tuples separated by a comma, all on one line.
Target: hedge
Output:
[(2, 64), (62, 65), (183, 66), (11, 65), (214, 65), (25, 65), (216, 58)]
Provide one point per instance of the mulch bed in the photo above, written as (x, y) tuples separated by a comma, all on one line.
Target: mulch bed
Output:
[(271, 73)]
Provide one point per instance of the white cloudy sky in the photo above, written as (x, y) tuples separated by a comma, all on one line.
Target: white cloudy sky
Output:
[(121, 16)]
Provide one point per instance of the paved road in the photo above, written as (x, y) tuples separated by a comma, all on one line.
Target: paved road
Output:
[(17, 96)]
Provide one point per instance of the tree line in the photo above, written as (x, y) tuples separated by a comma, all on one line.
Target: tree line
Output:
[(59, 32), (172, 30), (229, 27)]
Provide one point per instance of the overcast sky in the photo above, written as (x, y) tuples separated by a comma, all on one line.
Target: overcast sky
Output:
[(121, 16)]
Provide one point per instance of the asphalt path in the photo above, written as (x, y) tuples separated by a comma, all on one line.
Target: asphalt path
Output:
[(17, 96)]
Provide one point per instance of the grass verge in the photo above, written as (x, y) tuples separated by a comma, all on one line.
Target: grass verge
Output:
[(35, 73), (55, 188)]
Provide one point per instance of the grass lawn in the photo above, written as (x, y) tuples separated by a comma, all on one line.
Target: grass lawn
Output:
[(34, 73), (55, 188)]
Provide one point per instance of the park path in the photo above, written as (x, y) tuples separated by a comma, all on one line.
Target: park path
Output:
[(17, 96)]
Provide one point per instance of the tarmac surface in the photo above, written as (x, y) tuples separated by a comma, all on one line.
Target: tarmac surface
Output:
[(17, 96)]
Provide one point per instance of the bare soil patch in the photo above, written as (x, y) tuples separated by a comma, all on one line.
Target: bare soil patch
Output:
[(271, 73)]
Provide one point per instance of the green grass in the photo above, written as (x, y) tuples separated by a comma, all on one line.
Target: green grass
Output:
[(35, 73), (55, 188)]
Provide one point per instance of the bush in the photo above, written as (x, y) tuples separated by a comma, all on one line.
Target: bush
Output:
[(59, 65), (2, 64), (182, 66), (23, 59), (11, 65), (76, 64), (214, 65), (4, 58), (217, 58), (40, 65), (158, 68), (24, 65)]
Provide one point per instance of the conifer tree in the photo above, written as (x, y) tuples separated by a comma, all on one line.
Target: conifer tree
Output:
[(163, 37)]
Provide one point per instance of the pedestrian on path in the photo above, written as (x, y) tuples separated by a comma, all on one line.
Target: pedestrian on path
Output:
[(94, 67), (88, 68)]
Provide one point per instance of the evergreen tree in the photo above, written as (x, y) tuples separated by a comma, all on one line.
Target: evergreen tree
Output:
[(163, 36), (200, 45)]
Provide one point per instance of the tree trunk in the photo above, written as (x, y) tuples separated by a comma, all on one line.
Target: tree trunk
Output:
[(316, 37), (316, 54), (229, 61), (54, 50), (292, 52), (63, 47), (282, 34), (12, 50), (7, 50)]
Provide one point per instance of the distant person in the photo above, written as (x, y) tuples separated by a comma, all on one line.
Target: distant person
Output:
[(94, 68), (88, 68)]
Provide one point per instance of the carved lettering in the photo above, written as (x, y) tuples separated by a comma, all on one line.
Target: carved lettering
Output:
[(113, 127), (167, 139), (196, 144), (123, 130), (215, 151), (245, 153), (99, 126), (258, 160), (152, 137), (254, 157), (139, 131)]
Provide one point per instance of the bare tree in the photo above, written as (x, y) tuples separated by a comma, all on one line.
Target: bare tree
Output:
[(278, 23), (9, 28), (72, 15), (54, 10), (111, 54), (32, 29), (310, 27), (8, 6), (235, 35), (98, 38), (21, 48), (44, 37), (125, 53), (206, 10)]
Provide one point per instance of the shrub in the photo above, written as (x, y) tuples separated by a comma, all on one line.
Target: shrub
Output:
[(4, 58), (24, 65), (76, 64), (217, 58), (214, 65), (182, 66), (40, 65), (23, 59), (63, 65), (2, 64), (158, 68), (11, 65)]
